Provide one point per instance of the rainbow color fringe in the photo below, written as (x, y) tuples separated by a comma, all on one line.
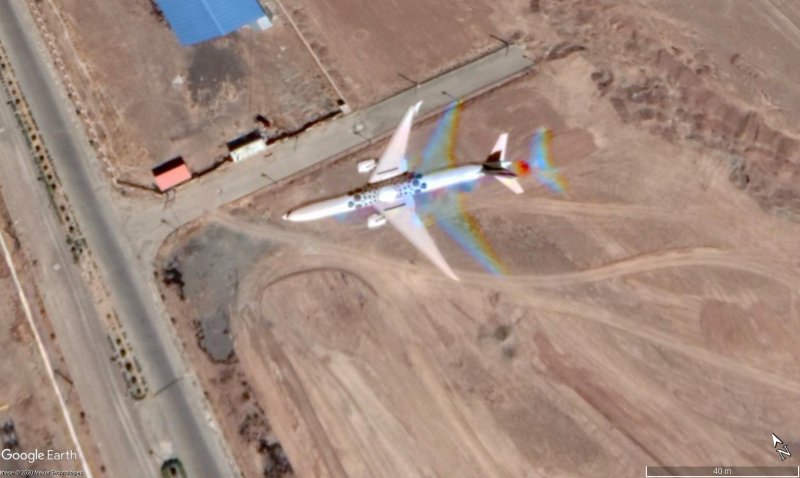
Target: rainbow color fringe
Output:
[(447, 208), (450, 213), (539, 163), (440, 152)]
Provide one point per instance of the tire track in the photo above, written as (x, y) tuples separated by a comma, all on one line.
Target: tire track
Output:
[(695, 256)]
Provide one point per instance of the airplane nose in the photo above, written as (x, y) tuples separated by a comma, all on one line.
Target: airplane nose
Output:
[(286, 216)]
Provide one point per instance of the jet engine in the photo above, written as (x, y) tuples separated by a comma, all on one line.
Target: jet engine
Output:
[(376, 220), (366, 165)]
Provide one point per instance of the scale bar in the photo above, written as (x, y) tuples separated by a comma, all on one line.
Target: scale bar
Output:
[(721, 471)]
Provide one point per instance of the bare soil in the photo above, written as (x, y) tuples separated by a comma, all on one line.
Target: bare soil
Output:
[(648, 316), (200, 286), (27, 401), (369, 47), (146, 99)]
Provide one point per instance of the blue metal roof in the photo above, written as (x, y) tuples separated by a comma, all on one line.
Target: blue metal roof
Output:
[(196, 21)]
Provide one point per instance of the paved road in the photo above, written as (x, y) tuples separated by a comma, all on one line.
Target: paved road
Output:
[(173, 418), (176, 414), (325, 141), (79, 330)]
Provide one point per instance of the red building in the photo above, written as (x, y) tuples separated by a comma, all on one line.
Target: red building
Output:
[(170, 174)]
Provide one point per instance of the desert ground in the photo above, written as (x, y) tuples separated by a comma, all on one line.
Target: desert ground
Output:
[(649, 313), (27, 400), (650, 296), (145, 99), (374, 49), (143, 108)]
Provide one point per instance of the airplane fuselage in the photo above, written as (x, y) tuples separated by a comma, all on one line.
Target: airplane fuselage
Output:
[(388, 192)]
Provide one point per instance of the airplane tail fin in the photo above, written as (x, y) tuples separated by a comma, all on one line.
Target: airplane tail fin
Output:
[(497, 166)]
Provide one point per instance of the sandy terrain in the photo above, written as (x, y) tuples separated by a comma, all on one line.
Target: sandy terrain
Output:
[(148, 99), (27, 400), (637, 305), (143, 108), (203, 282), (367, 46), (696, 73), (649, 315)]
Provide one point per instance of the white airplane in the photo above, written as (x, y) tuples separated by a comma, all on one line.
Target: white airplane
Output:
[(391, 189)]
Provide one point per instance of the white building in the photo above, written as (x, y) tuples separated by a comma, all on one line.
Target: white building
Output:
[(248, 150)]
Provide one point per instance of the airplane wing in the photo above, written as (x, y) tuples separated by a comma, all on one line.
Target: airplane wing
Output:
[(393, 160), (405, 220)]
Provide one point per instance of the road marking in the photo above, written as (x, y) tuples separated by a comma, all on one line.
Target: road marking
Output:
[(51, 375)]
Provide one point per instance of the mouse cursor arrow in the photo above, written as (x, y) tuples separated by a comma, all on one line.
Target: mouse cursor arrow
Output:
[(783, 451)]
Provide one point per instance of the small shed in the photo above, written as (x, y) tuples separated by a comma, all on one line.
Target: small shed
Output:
[(170, 174), (249, 149)]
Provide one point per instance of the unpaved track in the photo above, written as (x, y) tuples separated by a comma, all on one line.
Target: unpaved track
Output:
[(174, 416), (648, 312), (668, 304), (70, 306)]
